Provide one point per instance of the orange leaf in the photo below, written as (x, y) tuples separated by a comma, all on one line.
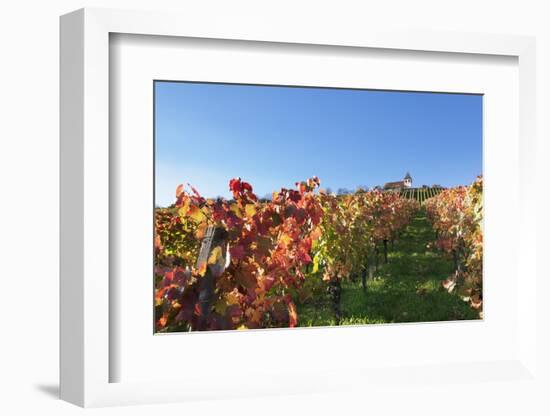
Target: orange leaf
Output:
[(163, 320), (179, 190), (202, 269), (201, 231), (292, 315)]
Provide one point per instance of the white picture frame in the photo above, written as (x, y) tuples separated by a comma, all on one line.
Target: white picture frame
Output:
[(86, 356)]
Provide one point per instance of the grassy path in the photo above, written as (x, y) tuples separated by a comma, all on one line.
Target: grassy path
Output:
[(407, 289)]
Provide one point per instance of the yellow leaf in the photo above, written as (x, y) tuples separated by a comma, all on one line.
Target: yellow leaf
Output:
[(242, 327), (315, 264), (286, 239), (250, 210), (236, 210), (215, 255), (196, 214), (184, 209)]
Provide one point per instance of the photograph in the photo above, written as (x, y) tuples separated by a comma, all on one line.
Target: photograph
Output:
[(275, 207), (295, 206)]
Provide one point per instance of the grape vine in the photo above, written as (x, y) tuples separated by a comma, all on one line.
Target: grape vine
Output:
[(456, 215), (270, 250)]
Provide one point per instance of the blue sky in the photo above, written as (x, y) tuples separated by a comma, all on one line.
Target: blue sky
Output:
[(206, 134)]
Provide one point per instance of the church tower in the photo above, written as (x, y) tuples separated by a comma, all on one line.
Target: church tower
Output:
[(407, 180)]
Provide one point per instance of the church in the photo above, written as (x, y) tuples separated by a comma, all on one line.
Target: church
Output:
[(399, 185)]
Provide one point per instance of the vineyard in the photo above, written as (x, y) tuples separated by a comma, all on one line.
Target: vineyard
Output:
[(420, 194), (457, 218), (310, 258)]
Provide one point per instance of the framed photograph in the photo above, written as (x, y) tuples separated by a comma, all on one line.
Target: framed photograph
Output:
[(321, 211)]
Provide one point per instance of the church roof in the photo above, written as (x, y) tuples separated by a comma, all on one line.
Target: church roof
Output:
[(408, 176), (392, 185)]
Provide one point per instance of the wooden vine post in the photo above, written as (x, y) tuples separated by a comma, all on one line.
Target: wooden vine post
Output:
[(212, 258), (364, 277), (369, 269), (335, 294)]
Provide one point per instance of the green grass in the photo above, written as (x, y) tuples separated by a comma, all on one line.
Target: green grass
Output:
[(407, 289)]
